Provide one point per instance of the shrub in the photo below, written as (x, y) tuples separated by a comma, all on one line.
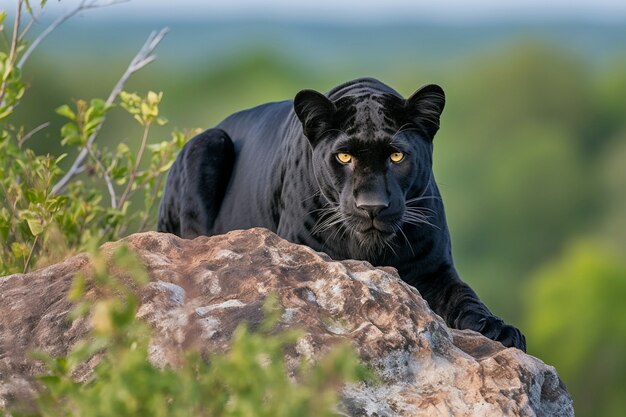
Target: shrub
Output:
[(47, 212)]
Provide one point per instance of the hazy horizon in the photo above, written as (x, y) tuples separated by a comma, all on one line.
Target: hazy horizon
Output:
[(358, 11)]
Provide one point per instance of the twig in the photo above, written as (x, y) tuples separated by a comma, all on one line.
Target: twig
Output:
[(140, 60), (133, 173), (83, 5), (33, 19), (12, 52), (30, 254), (30, 134), (105, 174)]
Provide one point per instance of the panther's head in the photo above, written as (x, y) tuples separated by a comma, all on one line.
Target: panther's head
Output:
[(372, 155)]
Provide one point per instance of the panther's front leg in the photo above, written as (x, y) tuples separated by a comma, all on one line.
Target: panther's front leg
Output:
[(461, 308)]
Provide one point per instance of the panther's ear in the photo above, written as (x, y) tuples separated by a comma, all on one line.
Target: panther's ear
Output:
[(316, 113), (424, 108)]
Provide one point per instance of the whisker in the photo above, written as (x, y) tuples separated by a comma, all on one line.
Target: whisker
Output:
[(426, 188), (341, 225), (429, 197), (322, 227), (345, 229), (324, 223), (399, 226), (418, 222), (335, 222), (327, 208), (315, 194), (421, 210), (336, 232), (390, 247), (417, 217), (417, 214)]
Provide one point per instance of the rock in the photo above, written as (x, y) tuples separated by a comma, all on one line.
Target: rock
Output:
[(201, 289)]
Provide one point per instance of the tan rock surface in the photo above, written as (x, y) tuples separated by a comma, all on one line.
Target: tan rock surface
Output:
[(201, 289)]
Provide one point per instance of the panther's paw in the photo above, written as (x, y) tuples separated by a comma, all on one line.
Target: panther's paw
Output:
[(496, 329)]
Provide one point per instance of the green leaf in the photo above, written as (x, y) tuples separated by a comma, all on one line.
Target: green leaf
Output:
[(70, 134), (60, 158), (99, 105), (66, 111), (123, 148), (166, 167), (28, 7), (36, 226), (6, 112), (19, 250), (91, 125)]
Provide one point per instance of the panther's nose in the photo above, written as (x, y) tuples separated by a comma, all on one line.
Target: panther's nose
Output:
[(373, 210), (372, 206)]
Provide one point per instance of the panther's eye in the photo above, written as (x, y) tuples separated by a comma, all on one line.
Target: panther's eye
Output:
[(396, 157), (344, 158)]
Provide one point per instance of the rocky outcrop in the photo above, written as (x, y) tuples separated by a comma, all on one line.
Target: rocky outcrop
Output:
[(201, 289)]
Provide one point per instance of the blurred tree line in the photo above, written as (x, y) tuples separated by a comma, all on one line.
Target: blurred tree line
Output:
[(531, 161)]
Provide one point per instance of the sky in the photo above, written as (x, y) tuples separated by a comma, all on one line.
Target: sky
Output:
[(363, 10)]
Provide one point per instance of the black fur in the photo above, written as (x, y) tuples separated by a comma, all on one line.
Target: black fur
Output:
[(281, 172)]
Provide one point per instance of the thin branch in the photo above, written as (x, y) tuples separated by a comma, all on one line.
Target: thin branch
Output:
[(105, 174), (30, 134), (133, 173), (25, 31), (83, 5), (81, 169), (143, 58), (30, 254), (12, 52)]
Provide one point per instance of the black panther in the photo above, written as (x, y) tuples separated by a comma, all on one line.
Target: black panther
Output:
[(348, 173)]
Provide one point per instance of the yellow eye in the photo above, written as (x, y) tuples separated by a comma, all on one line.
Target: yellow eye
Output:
[(344, 158), (396, 157)]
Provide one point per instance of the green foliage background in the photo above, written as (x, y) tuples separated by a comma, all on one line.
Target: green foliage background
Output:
[(531, 156)]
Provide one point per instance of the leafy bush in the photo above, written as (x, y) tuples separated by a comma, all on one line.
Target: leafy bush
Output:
[(47, 212)]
